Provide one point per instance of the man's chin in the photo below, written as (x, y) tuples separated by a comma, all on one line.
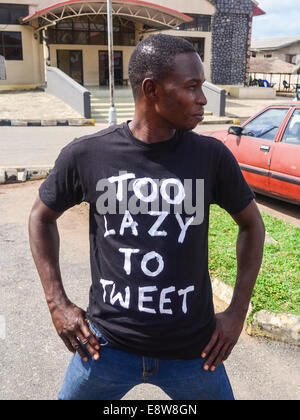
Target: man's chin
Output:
[(191, 126), (187, 125)]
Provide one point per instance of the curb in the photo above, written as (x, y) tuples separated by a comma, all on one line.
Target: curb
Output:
[(275, 326), (15, 175), (47, 123), (278, 327)]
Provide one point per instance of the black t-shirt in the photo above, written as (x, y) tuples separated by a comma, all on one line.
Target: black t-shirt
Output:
[(149, 214)]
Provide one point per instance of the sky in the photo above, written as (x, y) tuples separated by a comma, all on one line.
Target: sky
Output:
[(282, 18)]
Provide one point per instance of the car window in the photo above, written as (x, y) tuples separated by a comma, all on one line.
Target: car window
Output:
[(292, 131), (266, 125)]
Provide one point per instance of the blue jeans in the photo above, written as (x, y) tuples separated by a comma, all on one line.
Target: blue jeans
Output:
[(116, 372)]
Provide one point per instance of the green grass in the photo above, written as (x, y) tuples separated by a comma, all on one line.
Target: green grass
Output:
[(278, 285)]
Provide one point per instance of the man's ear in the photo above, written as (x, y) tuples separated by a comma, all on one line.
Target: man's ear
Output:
[(149, 88)]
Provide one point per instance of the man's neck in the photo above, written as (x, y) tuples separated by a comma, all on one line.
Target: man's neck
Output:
[(150, 130)]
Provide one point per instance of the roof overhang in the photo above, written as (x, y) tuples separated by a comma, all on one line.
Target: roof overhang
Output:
[(147, 13), (272, 44), (257, 11)]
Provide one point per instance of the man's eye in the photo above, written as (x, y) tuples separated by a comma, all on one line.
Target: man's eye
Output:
[(193, 87)]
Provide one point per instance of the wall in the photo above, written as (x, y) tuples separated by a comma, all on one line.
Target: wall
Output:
[(216, 98), (204, 7), (65, 88), (33, 4), (281, 52), (230, 38), (90, 59), (28, 71)]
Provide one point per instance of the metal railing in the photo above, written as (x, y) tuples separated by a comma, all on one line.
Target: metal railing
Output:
[(282, 82)]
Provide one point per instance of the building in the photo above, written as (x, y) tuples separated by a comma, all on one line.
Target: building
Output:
[(72, 36), (285, 49), (276, 60)]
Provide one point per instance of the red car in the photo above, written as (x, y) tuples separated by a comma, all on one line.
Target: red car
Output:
[(267, 147)]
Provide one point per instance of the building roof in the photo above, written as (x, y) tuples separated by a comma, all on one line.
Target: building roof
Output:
[(149, 13), (257, 11), (270, 65), (268, 44)]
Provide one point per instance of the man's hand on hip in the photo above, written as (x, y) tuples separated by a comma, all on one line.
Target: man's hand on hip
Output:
[(71, 326), (227, 332)]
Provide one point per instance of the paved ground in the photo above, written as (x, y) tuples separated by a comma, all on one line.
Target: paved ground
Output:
[(33, 359), (34, 105), (36, 146)]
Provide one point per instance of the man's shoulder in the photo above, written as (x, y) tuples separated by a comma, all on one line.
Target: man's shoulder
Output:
[(97, 138), (202, 140)]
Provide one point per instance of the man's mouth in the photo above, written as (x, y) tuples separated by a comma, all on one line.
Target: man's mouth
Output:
[(199, 116)]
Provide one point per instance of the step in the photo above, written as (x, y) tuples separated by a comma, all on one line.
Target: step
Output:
[(117, 100), (121, 112), (107, 104), (106, 108), (103, 114)]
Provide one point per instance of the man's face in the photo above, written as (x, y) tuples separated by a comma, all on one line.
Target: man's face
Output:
[(180, 96)]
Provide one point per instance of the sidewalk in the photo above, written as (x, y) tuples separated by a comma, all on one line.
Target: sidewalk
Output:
[(41, 108), (36, 107)]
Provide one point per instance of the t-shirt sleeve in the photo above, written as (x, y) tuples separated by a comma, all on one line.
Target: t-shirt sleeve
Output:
[(231, 191), (63, 188)]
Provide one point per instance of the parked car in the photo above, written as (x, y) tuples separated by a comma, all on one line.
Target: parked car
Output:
[(267, 147)]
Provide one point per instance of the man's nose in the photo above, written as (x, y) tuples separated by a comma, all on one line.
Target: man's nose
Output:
[(201, 98)]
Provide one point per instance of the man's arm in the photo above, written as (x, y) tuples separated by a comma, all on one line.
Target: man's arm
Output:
[(249, 251), (68, 319)]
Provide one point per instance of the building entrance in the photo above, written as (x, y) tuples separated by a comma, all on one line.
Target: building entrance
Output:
[(104, 68), (70, 62)]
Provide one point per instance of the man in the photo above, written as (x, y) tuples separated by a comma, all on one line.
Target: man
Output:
[(149, 183)]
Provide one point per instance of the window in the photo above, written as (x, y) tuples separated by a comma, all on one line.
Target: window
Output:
[(91, 30), (199, 45), (290, 58), (266, 125), (10, 13), (200, 23), (268, 55), (292, 132), (11, 45)]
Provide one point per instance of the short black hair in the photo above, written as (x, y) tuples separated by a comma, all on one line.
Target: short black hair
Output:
[(154, 57)]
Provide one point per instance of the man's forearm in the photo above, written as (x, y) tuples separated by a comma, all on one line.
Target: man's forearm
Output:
[(44, 243), (249, 251), (68, 319)]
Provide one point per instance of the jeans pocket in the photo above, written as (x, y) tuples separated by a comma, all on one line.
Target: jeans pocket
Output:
[(100, 337)]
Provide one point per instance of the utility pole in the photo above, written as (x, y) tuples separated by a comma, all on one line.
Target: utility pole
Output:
[(112, 111)]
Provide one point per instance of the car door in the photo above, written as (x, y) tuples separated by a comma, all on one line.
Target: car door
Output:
[(253, 151), (285, 162)]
